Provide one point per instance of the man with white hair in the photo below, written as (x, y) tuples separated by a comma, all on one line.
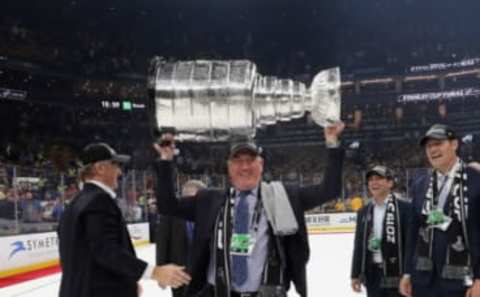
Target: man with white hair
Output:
[(96, 253)]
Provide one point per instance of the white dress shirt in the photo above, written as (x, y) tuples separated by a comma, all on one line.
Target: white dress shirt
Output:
[(448, 180), (379, 210)]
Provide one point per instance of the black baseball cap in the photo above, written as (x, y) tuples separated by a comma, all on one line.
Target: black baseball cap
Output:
[(439, 132), (96, 152), (247, 147), (380, 170)]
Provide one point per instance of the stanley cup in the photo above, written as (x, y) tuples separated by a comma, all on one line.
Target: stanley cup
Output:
[(214, 100), (324, 98)]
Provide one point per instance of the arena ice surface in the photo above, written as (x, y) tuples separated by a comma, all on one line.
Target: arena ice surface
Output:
[(328, 272)]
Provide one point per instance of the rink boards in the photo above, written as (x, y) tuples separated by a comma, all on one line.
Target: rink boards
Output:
[(331, 223), (30, 252)]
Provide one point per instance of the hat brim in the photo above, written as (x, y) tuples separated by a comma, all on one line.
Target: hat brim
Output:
[(374, 172), (244, 150), (424, 140), (121, 159)]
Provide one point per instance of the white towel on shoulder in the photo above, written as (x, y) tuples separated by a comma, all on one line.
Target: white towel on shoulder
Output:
[(279, 211)]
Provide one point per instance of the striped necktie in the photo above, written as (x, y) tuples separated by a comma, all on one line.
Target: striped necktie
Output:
[(239, 263)]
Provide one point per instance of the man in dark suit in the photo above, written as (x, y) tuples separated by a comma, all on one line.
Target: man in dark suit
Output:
[(250, 240), (96, 254), (379, 250), (443, 244), (175, 236)]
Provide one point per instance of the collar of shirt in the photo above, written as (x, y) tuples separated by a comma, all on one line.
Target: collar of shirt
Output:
[(102, 186), (383, 203), (379, 211), (450, 173), (253, 192), (444, 184), (251, 199)]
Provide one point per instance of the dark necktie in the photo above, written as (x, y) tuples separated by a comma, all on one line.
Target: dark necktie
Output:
[(239, 263), (190, 230)]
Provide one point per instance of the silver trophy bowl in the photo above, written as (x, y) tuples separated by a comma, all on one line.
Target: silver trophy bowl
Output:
[(212, 100)]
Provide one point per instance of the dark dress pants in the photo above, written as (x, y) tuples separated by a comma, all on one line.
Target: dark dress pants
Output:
[(180, 292), (375, 274), (440, 288)]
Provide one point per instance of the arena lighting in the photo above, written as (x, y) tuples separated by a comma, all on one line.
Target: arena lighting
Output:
[(12, 94), (463, 72), (420, 77), (376, 81), (347, 83), (213, 100)]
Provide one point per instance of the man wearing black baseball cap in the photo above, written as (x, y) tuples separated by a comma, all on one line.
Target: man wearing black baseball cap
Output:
[(245, 146), (438, 132), (101, 151), (96, 253), (102, 154), (381, 230), (250, 240), (443, 245)]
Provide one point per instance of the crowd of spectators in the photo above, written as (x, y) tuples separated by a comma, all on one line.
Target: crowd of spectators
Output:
[(86, 52), (340, 33), (32, 199), (37, 204)]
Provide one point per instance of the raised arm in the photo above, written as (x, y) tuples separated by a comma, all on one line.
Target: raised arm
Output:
[(331, 186), (167, 202)]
